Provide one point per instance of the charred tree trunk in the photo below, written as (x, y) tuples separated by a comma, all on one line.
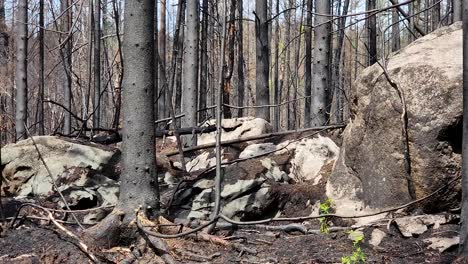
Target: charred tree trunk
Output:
[(190, 69), (321, 64), (204, 60), (97, 64), (435, 14), (22, 70), (66, 54), (371, 32), (3, 36), (263, 64), (240, 59), (308, 63), (231, 31), (457, 10), (395, 30), (40, 100), (463, 249), (277, 110), (139, 185), (156, 62), (162, 94), (177, 94), (338, 64)]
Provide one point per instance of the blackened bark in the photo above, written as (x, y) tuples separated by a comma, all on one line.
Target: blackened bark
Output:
[(97, 64), (231, 31), (395, 30), (21, 77), (463, 250), (435, 14), (3, 35), (457, 10), (190, 69), (263, 60), (203, 86), (371, 32), (139, 183), (162, 94), (277, 110), (66, 54), (40, 100), (240, 59), (338, 64), (321, 61)]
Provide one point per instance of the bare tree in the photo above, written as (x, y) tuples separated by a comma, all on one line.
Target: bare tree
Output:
[(263, 61), (40, 99), (287, 61), (395, 30), (177, 92), (97, 63), (371, 25), (435, 15), (3, 35), (277, 110), (321, 60), (66, 55), (190, 68), (22, 70), (162, 94), (457, 10), (156, 61), (240, 58), (463, 249), (139, 185), (338, 64), (231, 31), (204, 61)]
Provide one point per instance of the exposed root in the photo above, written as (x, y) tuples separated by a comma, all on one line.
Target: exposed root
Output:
[(106, 233)]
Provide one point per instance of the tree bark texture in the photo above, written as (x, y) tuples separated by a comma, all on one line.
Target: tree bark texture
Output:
[(321, 60), (139, 184), (263, 60), (190, 69), (21, 70)]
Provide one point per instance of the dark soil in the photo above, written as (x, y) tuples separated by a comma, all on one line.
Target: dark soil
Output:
[(51, 246)]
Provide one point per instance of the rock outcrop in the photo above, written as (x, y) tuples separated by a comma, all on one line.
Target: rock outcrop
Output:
[(84, 173), (236, 128), (373, 170), (260, 184)]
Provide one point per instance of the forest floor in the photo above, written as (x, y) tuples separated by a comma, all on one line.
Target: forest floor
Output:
[(38, 241)]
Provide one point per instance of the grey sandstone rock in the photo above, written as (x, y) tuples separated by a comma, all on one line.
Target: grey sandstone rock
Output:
[(370, 173)]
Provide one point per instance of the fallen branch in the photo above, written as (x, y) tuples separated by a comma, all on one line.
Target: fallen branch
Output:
[(263, 136), (49, 173), (84, 248)]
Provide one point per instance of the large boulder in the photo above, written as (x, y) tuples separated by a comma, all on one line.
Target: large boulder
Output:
[(84, 173), (371, 172)]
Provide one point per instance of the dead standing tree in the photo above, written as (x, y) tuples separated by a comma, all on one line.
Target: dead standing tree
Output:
[(22, 70), (139, 187), (263, 59), (190, 69)]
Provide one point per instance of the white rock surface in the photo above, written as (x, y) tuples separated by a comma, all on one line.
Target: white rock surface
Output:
[(376, 237), (417, 225), (236, 128), (442, 243)]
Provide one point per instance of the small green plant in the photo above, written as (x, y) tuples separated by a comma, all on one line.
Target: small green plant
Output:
[(324, 208), (358, 255)]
